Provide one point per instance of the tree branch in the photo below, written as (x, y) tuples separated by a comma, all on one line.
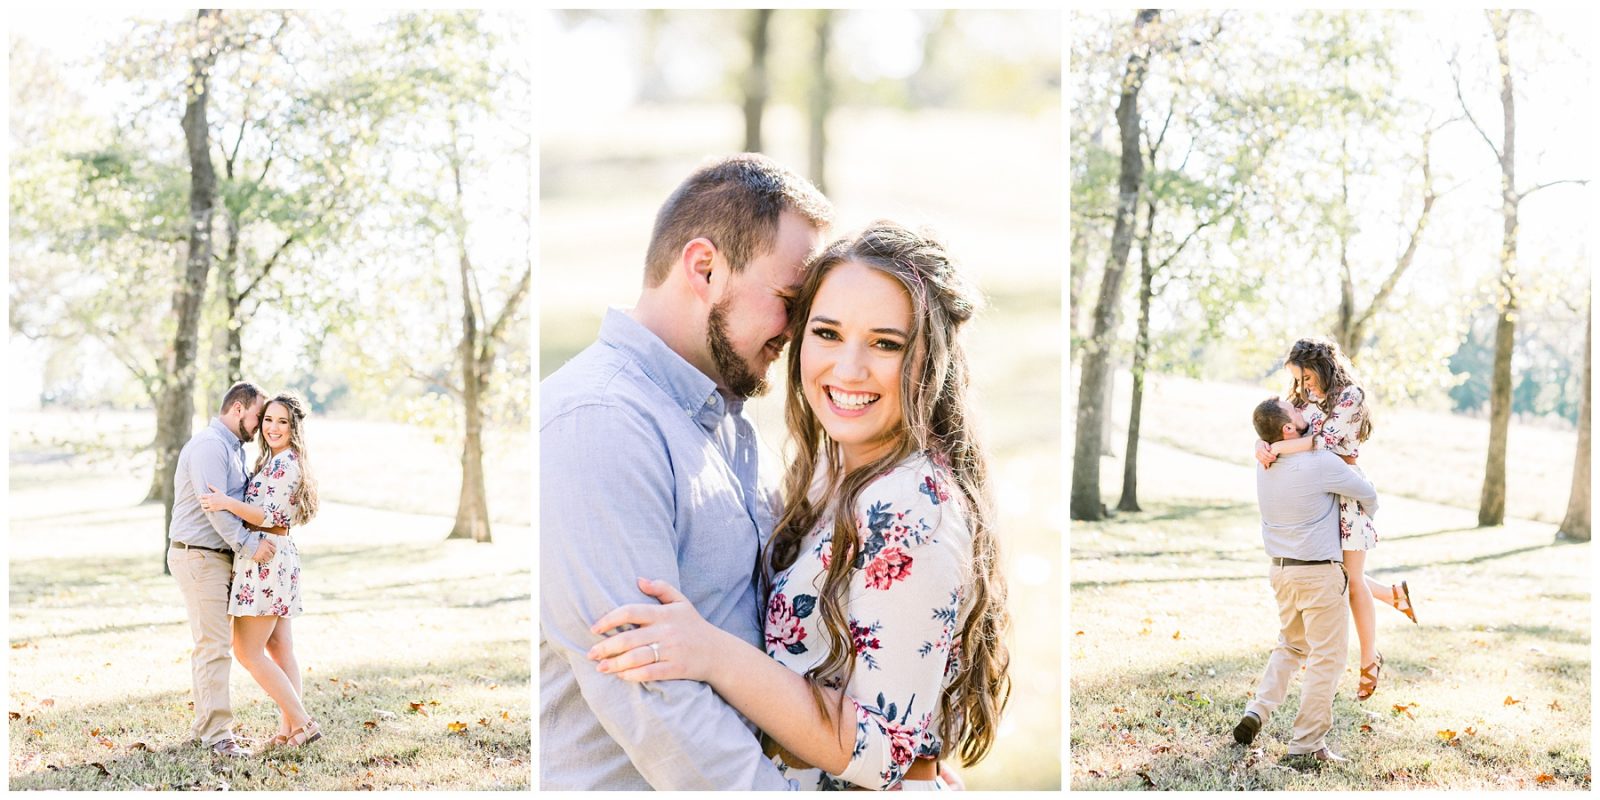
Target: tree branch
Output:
[(1579, 181), (1455, 77)]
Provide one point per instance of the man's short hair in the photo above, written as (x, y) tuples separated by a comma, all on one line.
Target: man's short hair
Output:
[(1269, 419), (735, 202), (241, 392)]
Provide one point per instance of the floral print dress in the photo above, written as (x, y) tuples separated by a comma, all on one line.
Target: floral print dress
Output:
[(271, 588), (906, 605), (1337, 432)]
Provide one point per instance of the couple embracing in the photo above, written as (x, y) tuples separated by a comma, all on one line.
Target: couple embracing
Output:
[(236, 564), (702, 629), (1317, 511)]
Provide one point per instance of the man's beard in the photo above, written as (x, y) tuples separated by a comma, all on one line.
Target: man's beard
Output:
[(736, 374)]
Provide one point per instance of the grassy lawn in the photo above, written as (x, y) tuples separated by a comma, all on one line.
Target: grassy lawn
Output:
[(404, 634), (1000, 215), (1172, 621)]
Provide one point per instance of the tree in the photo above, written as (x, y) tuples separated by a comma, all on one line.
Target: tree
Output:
[(175, 411), (465, 77), (756, 83), (1092, 410), (1575, 525), (1492, 501), (820, 101)]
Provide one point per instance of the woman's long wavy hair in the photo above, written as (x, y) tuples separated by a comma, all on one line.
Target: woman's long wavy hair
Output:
[(1334, 372), (304, 499), (934, 407)]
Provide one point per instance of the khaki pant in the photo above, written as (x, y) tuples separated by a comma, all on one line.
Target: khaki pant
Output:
[(1314, 617), (204, 578)]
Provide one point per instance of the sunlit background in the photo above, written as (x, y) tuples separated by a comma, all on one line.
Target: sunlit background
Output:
[(949, 119)]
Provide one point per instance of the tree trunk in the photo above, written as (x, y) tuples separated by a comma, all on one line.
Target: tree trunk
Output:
[(175, 412), (1492, 503), (1576, 524), (1096, 370), (821, 102), (755, 80), (1141, 353), (472, 512)]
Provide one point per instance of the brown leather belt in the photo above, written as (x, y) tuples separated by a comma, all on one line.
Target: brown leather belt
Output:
[(923, 769), (182, 546), (279, 531)]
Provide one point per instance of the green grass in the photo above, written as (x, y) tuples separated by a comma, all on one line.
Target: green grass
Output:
[(1001, 215), (1172, 622), (99, 686)]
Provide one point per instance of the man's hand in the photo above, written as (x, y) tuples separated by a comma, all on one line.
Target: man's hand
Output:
[(1264, 453), (265, 551)]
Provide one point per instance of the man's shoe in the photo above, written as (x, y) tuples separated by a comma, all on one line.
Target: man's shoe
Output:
[(230, 749), (1328, 756), (1245, 731)]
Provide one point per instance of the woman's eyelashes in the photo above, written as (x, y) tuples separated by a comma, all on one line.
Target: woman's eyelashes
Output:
[(831, 335)]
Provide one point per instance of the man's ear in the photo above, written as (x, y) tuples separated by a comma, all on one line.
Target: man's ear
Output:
[(698, 262)]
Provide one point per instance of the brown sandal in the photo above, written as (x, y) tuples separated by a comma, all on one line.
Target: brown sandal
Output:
[(1403, 591), (1369, 678), (304, 735)]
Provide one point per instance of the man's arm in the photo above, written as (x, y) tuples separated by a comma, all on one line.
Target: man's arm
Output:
[(209, 467), (606, 519), (1340, 478)]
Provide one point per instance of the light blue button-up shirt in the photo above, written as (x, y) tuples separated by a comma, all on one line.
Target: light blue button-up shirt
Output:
[(645, 471), (213, 457)]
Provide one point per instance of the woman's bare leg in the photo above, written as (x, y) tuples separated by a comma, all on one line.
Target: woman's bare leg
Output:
[(1381, 592), (250, 635), (1361, 610), (280, 647)]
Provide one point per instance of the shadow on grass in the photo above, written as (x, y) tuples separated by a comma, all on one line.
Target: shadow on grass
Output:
[(1170, 727), (404, 750)]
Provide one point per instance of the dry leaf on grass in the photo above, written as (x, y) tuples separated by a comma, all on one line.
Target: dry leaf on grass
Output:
[(457, 727), (1511, 700)]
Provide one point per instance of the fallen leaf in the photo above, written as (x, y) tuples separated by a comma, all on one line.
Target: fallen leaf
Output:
[(94, 731), (1149, 784), (369, 724), (484, 721), (1079, 633), (1118, 710), (1469, 731), (419, 708), (1144, 631), (1555, 705), (457, 727), (505, 715), (1177, 634), (1161, 748), (1545, 777), (433, 702), (103, 771), (1366, 729), (1094, 773), (13, 715), (1446, 734), (47, 702), (107, 743), (1147, 621), (138, 746), (1511, 700)]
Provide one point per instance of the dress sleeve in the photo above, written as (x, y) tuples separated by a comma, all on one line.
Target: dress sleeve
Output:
[(905, 602), (1339, 430), (278, 479)]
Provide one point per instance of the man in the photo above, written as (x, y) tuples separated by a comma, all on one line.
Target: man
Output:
[(648, 468), (1300, 528), (202, 551)]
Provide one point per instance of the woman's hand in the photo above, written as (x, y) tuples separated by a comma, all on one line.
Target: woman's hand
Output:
[(1264, 453), (215, 500), (685, 644)]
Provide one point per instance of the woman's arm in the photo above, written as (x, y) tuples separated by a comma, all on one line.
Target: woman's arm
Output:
[(1300, 444), (216, 500), (774, 697)]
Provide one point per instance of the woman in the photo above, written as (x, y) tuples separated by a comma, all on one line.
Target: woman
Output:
[(885, 606), (266, 596), (1337, 418)]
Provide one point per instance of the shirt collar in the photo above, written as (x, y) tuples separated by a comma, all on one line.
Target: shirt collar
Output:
[(690, 389), (227, 435)]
